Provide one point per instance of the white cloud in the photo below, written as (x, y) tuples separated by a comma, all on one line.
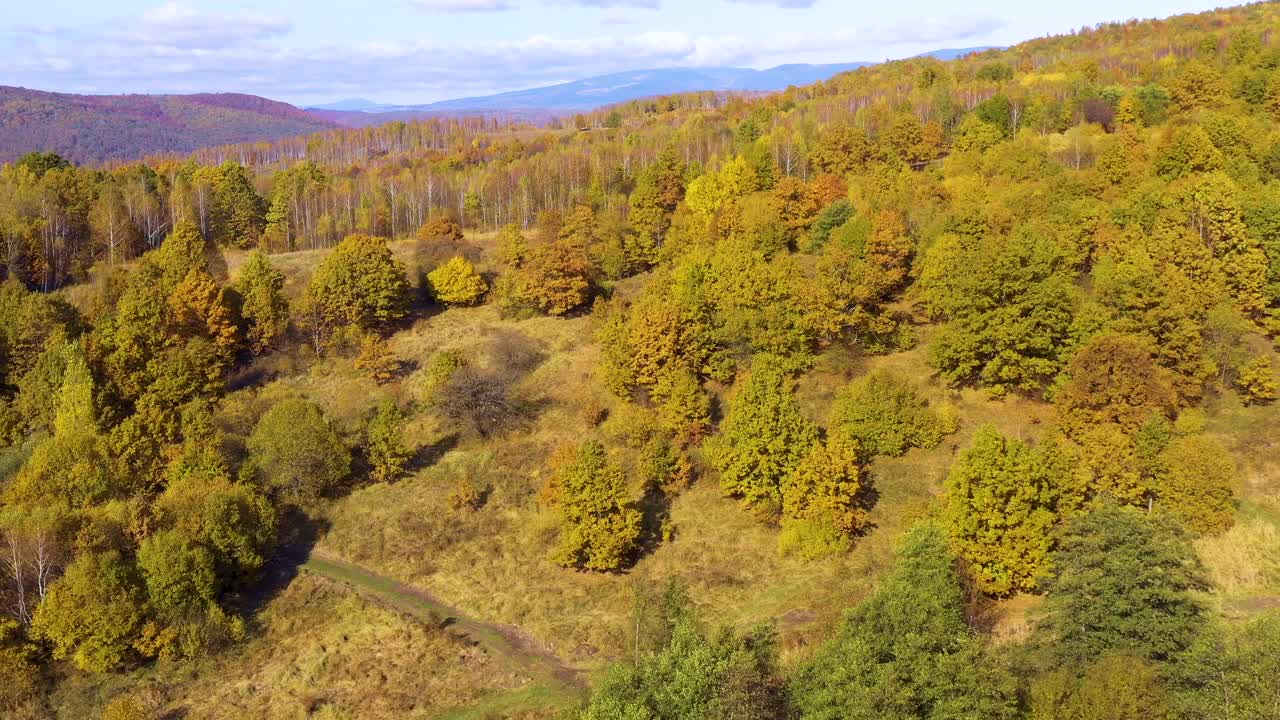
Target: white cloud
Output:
[(606, 4), (788, 4), (179, 25), (174, 49), (466, 5)]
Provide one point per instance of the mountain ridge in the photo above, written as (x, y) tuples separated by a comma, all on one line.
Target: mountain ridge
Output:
[(98, 128), (598, 91)]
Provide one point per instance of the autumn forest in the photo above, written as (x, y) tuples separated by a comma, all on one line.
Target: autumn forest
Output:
[(942, 389)]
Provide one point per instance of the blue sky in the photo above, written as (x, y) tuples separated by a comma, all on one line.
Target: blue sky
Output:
[(408, 51)]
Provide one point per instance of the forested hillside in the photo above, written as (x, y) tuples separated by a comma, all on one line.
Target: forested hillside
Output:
[(939, 390), (97, 128)]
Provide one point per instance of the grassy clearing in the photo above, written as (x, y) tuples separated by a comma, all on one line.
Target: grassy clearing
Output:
[(494, 562), (1244, 562), (506, 642), (319, 651)]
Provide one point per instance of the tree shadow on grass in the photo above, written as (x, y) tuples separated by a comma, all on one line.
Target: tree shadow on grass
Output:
[(297, 535), (428, 455)]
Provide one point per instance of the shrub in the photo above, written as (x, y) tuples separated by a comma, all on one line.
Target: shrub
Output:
[(1117, 687), (436, 375), (825, 501), (384, 443), (1196, 482), (482, 401), (884, 415), (457, 283), (441, 229), (125, 707), (1257, 381), (466, 495), (263, 306), (296, 450), (92, 614), (1000, 512), (375, 359), (600, 523), (763, 437), (1114, 379)]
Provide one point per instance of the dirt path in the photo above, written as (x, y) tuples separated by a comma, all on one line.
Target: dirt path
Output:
[(506, 641)]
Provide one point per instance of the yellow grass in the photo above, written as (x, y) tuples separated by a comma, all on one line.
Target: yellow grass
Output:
[(321, 651)]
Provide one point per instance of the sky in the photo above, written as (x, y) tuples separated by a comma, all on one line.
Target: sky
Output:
[(417, 51)]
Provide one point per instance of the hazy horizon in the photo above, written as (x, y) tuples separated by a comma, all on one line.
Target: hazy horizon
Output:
[(421, 51)]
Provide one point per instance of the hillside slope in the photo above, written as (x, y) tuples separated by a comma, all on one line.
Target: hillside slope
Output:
[(91, 128)]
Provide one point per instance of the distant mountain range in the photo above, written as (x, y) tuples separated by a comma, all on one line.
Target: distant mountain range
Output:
[(595, 92), (96, 128)]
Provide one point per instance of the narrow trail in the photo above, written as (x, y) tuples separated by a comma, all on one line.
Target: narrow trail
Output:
[(506, 641)]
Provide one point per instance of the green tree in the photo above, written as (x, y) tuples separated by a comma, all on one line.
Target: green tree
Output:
[(235, 521), (684, 405), (693, 674), (457, 283), (906, 652), (659, 190), (1121, 584), (93, 613), (829, 219), (763, 437), (1230, 672), (1196, 481), (1009, 302), (69, 469), (296, 451), (1257, 381), (600, 524), (19, 671), (276, 233), (183, 250), (180, 576), (825, 501), (885, 415), (1001, 511), (359, 283), (239, 213), (512, 246), (1188, 151), (1198, 86), (976, 134), (1117, 687), (384, 443), (263, 305)]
